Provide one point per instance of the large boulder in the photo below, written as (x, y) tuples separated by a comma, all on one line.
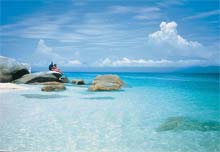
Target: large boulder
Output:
[(10, 69), (39, 77), (106, 83)]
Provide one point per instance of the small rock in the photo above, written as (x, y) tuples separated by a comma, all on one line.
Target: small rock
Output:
[(48, 88), (64, 80), (79, 82)]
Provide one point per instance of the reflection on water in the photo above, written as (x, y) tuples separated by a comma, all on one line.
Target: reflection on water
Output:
[(119, 121)]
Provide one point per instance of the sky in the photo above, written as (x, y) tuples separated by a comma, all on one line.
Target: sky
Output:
[(111, 33)]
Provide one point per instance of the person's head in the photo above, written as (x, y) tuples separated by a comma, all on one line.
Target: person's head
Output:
[(55, 65)]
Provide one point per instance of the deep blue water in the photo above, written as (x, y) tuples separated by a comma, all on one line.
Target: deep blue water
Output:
[(129, 120)]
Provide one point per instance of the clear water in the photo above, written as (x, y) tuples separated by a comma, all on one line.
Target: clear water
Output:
[(77, 120)]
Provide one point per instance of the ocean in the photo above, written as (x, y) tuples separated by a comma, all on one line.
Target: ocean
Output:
[(153, 112)]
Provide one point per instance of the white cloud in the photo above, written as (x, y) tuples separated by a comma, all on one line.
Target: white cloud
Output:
[(74, 62), (168, 34), (126, 62), (203, 14), (44, 54), (130, 9), (170, 3), (140, 13), (167, 43), (43, 48), (121, 9)]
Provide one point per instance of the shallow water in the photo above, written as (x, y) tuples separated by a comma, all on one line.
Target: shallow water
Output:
[(124, 121)]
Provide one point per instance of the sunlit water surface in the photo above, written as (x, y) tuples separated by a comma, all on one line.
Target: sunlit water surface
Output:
[(134, 119)]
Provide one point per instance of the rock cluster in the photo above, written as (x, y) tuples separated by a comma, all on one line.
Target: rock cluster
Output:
[(13, 71)]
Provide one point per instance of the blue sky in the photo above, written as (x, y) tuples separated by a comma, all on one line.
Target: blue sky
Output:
[(111, 33)]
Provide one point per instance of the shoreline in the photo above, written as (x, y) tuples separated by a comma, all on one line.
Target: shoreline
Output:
[(8, 87)]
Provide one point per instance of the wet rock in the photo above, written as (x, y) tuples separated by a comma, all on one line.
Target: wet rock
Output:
[(185, 123), (49, 88), (39, 77), (47, 83), (79, 82), (10, 69), (106, 83), (64, 80)]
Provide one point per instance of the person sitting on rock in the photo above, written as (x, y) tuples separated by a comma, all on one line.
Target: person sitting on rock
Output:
[(51, 66), (56, 69)]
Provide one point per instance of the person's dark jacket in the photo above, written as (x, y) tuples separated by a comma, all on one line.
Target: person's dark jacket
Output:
[(51, 66)]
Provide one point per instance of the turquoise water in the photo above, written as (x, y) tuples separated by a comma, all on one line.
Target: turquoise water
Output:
[(152, 113)]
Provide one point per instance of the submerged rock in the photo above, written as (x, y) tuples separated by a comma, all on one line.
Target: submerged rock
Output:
[(79, 82), (49, 88), (106, 83), (39, 77), (10, 69), (185, 123), (42, 96)]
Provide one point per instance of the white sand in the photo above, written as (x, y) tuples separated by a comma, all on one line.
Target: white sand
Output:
[(5, 87)]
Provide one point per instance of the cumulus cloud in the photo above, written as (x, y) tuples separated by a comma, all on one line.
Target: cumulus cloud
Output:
[(44, 54), (168, 43), (126, 62), (43, 48), (168, 34)]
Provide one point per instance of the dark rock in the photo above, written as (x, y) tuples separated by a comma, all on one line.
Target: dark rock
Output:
[(39, 77), (106, 83), (64, 80), (78, 82), (10, 69)]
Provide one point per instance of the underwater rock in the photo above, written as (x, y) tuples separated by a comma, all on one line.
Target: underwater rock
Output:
[(39, 77), (79, 82), (42, 96), (185, 123), (106, 83), (10, 69), (49, 88)]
